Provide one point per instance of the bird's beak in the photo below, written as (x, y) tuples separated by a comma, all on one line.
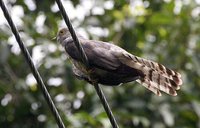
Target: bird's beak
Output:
[(57, 38), (54, 38)]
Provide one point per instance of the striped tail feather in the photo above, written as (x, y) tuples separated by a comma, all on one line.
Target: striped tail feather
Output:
[(159, 82), (175, 76), (156, 76), (148, 85)]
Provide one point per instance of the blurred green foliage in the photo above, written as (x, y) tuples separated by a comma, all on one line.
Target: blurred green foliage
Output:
[(166, 31)]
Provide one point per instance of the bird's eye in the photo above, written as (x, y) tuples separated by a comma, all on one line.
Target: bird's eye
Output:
[(61, 32)]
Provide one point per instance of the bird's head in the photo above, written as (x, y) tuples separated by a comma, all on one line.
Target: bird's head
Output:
[(62, 34)]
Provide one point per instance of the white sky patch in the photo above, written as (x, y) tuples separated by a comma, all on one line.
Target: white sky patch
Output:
[(77, 104), (167, 114), (55, 81), (80, 94), (3, 20), (167, 1), (52, 47), (39, 23), (108, 4), (106, 123), (30, 4), (27, 39), (117, 26), (60, 98), (178, 6), (61, 23), (81, 10), (188, 66), (137, 7), (30, 80), (98, 11), (146, 4), (196, 12), (87, 4), (49, 62), (196, 106), (42, 118), (9, 1), (83, 33), (98, 31), (80, 13), (6, 99), (63, 57), (34, 106), (17, 13), (197, 1), (29, 42), (54, 8), (9, 7), (151, 38), (15, 47), (37, 55), (186, 2), (69, 8), (193, 41)]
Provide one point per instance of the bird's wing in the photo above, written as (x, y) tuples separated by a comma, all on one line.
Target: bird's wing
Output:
[(98, 53)]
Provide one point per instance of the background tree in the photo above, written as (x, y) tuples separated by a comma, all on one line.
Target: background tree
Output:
[(165, 31)]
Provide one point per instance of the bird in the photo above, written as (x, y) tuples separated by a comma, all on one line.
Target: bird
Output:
[(111, 65)]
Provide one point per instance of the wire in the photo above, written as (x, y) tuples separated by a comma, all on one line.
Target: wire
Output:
[(73, 34), (85, 61), (106, 106), (32, 66)]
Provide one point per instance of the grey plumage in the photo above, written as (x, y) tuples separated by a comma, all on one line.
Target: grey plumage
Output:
[(112, 65)]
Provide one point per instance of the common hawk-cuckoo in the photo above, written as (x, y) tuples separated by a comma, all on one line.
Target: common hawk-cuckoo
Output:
[(112, 65)]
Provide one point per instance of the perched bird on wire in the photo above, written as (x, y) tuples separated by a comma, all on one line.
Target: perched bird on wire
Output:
[(111, 65)]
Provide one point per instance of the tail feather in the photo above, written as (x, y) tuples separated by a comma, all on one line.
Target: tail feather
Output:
[(159, 79), (153, 79), (175, 76), (150, 87), (156, 77)]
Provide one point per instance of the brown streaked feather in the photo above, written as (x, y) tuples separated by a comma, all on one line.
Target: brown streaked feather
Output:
[(175, 76), (156, 76), (148, 85)]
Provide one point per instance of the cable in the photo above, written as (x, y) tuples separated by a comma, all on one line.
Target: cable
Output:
[(85, 61), (106, 106), (73, 34), (32, 66)]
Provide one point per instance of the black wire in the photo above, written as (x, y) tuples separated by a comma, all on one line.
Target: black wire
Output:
[(106, 106), (73, 34), (85, 61), (32, 66)]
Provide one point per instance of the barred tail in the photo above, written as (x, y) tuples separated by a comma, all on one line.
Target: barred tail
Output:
[(156, 82), (159, 78), (166, 72), (156, 76)]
